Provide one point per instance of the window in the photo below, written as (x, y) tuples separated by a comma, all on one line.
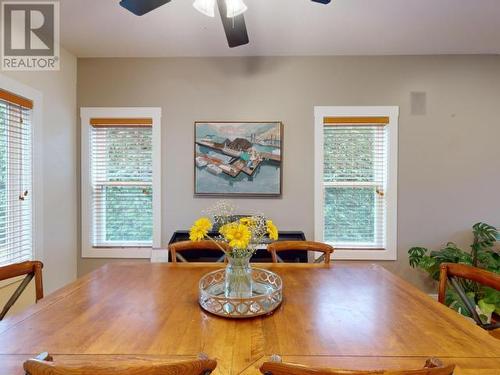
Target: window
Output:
[(16, 176), (356, 181), (120, 175)]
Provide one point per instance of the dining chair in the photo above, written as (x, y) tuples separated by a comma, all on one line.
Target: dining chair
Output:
[(44, 365), (495, 333), (276, 247), (453, 272), (178, 247), (433, 366), (32, 269)]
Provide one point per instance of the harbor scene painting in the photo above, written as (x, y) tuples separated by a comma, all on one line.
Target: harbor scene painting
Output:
[(238, 158)]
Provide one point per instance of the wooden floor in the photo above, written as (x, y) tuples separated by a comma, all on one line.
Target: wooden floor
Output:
[(344, 316)]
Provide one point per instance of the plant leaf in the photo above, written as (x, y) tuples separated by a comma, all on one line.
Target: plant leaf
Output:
[(483, 255), (486, 308), (415, 255), (454, 301), (484, 235)]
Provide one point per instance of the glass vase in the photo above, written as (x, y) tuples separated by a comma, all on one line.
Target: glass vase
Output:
[(238, 281)]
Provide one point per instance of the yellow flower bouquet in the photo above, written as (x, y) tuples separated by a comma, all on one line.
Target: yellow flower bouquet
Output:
[(242, 235)]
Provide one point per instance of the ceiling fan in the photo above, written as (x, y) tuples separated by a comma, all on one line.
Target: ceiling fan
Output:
[(231, 12)]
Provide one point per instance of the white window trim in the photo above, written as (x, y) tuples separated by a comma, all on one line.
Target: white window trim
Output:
[(390, 253), (119, 252), (36, 96)]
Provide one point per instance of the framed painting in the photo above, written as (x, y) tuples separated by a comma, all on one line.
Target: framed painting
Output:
[(234, 159)]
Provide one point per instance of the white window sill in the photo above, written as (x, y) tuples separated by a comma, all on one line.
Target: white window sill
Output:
[(342, 254), (118, 252)]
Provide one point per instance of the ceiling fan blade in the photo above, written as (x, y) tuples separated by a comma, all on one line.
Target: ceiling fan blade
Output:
[(322, 1), (141, 7), (235, 28)]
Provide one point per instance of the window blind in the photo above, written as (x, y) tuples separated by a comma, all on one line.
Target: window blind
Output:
[(122, 176), (355, 180), (16, 243)]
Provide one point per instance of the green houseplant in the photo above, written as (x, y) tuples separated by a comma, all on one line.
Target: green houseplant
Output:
[(482, 254)]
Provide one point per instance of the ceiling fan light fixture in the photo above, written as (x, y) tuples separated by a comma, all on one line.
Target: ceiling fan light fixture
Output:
[(207, 7), (235, 8)]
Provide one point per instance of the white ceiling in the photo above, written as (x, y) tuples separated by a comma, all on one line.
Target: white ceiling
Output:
[(101, 28)]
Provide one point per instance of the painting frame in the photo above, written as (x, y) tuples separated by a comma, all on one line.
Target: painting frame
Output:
[(225, 194)]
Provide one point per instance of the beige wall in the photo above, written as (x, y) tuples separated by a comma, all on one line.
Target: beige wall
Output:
[(448, 159), (27, 298), (59, 151)]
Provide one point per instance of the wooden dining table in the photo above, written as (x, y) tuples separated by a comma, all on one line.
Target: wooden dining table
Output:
[(345, 315)]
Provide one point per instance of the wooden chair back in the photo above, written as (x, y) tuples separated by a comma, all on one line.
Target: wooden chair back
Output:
[(43, 365), (32, 269), (276, 247), (495, 333), (432, 367), (449, 272), (178, 247)]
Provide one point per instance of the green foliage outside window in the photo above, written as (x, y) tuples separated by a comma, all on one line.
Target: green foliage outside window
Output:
[(349, 215), (349, 157), (129, 209), (129, 219)]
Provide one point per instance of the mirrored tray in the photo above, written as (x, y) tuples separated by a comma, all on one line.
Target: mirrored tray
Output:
[(267, 295)]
